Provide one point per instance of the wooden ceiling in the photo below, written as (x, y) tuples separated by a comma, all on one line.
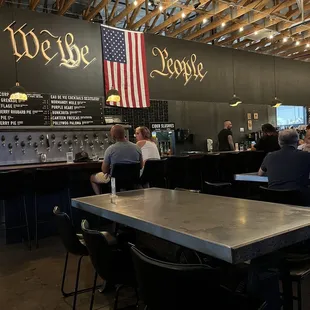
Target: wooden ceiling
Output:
[(274, 27)]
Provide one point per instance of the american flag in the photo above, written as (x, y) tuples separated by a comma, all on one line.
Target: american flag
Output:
[(125, 66)]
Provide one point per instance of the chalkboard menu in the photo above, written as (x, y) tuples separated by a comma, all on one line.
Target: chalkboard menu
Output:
[(51, 110)]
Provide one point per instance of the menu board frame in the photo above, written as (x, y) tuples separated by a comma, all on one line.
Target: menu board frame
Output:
[(76, 103)]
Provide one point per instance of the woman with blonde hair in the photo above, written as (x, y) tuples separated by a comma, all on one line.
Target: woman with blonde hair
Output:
[(146, 143)]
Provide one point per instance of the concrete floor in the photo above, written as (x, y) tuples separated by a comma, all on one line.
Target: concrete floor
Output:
[(31, 280)]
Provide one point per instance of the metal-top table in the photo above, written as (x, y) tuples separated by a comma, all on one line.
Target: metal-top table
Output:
[(234, 230), (251, 177)]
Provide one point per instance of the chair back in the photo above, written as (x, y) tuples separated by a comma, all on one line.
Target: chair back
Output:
[(110, 262), (177, 171), (164, 285), (155, 172), (12, 183), (127, 176), (290, 197), (68, 234)]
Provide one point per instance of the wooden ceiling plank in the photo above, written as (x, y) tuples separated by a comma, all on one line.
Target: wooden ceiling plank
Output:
[(238, 12), (256, 17), (66, 7), (145, 19), (128, 9), (33, 4), (154, 21), (113, 10), (96, 10), (134, 15), (220, 7)]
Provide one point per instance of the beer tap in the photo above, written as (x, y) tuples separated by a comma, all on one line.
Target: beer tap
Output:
[(41, 139), (47, 143), (65, 137), (96, 137), (35, 145), (102, 145), (16, 138), (91, 145), (75, 139), (10, 146), (53, 138), (23, 144), (3, 140), (29, 140), (59, 146), (86, 138), (70, 145)]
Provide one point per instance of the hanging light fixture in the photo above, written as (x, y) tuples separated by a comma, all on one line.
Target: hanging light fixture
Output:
[(17, 92), (234, 101), (113, 95), (276, 102)]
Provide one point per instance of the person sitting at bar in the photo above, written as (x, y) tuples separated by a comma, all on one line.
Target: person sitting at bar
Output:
[(122, 152), (269, 141), (146, 144), (288, 168), (306, 145), (225, 137)]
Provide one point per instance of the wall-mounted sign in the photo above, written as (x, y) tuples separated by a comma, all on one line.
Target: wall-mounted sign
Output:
[(249, 116), (189, 69), (250, 126), (162, 126), (255, 115)]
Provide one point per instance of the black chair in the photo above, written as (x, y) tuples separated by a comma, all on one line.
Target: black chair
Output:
[(74, 244), (111, 262), (163, 285), (127, 176), (290, 197), (50, 181), (12, 186), (155, 173), (177, 171)]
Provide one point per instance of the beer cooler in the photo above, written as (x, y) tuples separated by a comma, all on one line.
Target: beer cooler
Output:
[(164, 135)]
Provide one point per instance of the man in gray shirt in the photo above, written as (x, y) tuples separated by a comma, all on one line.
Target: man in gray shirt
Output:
[(122, 152)]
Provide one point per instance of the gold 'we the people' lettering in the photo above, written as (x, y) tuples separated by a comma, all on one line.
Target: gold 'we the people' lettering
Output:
[(71, 56), (174, 67)]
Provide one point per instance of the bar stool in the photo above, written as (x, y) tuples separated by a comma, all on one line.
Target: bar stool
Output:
[(49, 181), (13, 185), (177, 171)]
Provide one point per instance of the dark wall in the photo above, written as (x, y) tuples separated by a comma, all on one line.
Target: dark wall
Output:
[(205, 119), (254, 75)]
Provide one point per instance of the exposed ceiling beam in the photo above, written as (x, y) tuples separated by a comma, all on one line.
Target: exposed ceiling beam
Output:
[(65, 7), (217, 8), (33, 4), (255, 17), (176, 17), (96, 10), (157, 11), (128, 9), (113, 10), (134, 15), (237, 13)]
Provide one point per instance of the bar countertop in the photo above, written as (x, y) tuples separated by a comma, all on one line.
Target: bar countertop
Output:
[(50, 165), (233, 230)]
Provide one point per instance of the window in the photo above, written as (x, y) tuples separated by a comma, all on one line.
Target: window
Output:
[(291, 115)]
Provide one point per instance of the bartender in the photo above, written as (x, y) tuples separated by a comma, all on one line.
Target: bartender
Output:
[(225, 137), (269, 141)]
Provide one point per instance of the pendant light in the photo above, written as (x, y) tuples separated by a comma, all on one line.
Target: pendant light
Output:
[(276, 102), (113, 96), (17, 92), (234, 101)]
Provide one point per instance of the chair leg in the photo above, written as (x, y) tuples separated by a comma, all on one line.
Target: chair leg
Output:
[(64, 277), (77, 282), (93, 292), (299, 295), (116, 296), (36, 220), (27, 223), (137, 295)]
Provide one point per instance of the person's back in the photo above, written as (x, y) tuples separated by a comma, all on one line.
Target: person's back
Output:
[(287, 169), (268, 144), (124, 152), (149, 151)]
